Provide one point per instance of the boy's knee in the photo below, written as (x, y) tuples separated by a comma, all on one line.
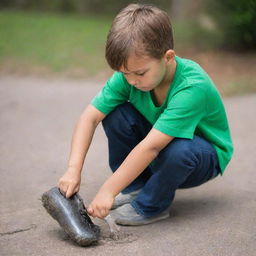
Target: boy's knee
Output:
[(179, 150)]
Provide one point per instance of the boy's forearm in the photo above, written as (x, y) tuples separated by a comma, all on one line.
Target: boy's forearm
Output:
[(81, 141), (82, 138), (135, 163)]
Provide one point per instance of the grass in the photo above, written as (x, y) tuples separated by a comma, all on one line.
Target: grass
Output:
[(48, 43), (62, 43), (56, 42)]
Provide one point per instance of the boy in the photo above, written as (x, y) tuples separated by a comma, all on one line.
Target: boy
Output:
[(164, 119)]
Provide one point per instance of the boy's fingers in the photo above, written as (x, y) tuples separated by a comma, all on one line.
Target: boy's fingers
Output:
[(93, 212), (69, 192), (103, 213), (76, 189), (100, 213), (63, 189), (90, 210)]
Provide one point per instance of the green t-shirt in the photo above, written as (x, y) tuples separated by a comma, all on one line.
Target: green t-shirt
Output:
[(192, 106)]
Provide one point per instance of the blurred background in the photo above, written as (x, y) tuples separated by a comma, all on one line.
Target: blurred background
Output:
[(51, 65), (67, 38)]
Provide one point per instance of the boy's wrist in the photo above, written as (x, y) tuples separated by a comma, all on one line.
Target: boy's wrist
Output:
[(108, 189), (74, 169), (107, 194)]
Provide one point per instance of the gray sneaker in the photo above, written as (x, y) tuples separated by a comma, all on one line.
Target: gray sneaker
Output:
[(126, 215), (122, 199)]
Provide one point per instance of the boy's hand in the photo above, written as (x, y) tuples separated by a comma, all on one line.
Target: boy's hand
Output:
[(101, 204), (69, 183)]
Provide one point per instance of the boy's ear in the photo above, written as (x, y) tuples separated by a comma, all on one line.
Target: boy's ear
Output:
[(169, 55)]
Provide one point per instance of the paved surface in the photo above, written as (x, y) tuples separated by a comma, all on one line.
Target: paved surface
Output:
[(36, 123)]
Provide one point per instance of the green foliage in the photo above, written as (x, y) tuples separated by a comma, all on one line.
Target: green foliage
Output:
[(59, 42), (109, 7), (189, 34), (70, 43), (236, 21)]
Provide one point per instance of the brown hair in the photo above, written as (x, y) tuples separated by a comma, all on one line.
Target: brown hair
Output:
[(138, 29)]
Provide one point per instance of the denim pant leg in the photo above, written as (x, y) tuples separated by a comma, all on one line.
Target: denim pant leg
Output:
[(125, 127), (183, 163)]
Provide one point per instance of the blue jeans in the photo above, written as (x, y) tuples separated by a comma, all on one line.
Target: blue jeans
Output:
[(183, 163)]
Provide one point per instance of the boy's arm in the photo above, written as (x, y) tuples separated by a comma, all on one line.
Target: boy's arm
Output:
[(134, 164), (81, 140)]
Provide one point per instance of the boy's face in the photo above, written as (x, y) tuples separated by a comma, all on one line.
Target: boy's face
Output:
[(145, 73)]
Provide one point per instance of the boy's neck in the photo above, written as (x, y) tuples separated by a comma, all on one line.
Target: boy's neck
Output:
[(160, 92), (170, 73)]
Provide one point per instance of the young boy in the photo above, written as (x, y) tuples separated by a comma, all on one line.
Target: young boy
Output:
[(164, 119)]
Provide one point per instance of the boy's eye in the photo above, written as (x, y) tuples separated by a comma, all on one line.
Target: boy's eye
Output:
[(140, 74), (137, 74)]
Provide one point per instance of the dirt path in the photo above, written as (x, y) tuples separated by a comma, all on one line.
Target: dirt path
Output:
[(37, 119)]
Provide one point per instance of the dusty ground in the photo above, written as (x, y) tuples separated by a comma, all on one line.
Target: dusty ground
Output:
[(36, 123)]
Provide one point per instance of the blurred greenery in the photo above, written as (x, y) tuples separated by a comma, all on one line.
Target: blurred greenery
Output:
[(110, 7), (56, 41), (188, 33), (68, 42), (72, 44), (235, 21)]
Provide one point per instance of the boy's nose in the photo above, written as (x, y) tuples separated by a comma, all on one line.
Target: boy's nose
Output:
[(133, 82)]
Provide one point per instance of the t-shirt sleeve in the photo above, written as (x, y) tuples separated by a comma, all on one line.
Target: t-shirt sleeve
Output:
[(115, 92), (183, 113)]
